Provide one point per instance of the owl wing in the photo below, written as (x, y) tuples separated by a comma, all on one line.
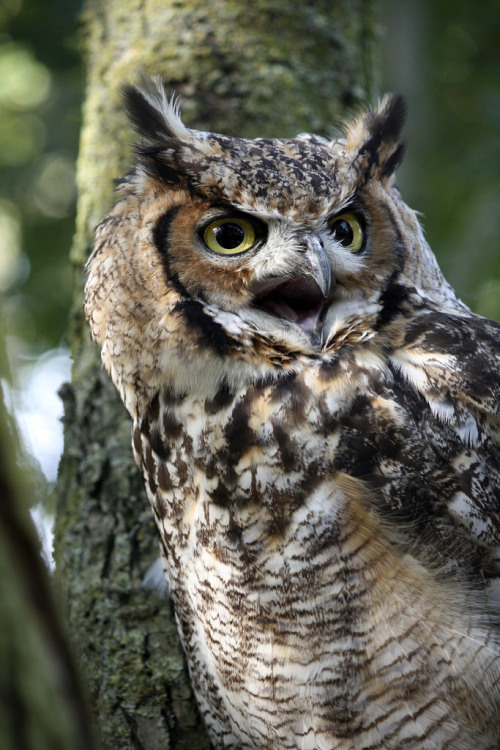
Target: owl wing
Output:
[(425, 437), (451, 361), (454, 359)]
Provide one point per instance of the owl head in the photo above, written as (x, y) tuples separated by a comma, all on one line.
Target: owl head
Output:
[(229, 258)]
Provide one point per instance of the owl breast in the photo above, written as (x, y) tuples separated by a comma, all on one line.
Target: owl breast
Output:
[(305, 617)]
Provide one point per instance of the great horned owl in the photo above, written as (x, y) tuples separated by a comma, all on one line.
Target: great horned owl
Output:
[(316, 415)]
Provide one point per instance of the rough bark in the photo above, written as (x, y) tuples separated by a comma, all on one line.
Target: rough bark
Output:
[(272, 67)]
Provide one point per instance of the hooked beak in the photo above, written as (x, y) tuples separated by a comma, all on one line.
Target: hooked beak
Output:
[(318, 265), (301, 295)]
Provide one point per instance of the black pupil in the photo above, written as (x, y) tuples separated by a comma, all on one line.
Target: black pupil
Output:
[(229, 235), (342, 232)]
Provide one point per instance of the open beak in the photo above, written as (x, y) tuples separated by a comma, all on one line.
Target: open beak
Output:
[(299, 296)]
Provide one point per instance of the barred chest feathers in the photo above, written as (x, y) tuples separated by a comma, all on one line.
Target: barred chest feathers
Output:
[(298, 607)]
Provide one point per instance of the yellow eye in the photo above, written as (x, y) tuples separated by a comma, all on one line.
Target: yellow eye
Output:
[(229, 236), (348, 232)]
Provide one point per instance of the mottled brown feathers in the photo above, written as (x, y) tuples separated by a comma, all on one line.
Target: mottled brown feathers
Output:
[(316, 415)]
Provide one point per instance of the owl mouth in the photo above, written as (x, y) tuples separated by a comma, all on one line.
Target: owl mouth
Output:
[(298, 299)]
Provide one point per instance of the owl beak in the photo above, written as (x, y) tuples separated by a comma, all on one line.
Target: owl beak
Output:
[(317, 264), (300, 295)]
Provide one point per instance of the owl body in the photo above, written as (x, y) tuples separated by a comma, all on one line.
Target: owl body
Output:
[(316, 417)]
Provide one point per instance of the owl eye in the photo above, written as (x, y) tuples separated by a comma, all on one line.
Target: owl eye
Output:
[(348, 232), (229, 236)]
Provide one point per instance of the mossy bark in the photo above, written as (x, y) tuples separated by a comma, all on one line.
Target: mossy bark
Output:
[(272, 67)]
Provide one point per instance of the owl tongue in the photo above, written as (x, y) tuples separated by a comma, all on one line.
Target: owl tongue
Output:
[(306, 319), (297, 299)]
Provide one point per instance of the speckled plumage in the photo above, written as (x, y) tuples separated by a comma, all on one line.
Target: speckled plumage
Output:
[(318, 428)]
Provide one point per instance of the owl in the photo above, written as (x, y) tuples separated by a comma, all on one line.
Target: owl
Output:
[(316, 415)]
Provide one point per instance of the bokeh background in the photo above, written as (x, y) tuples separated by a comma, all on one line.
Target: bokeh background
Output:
[(444, 55)]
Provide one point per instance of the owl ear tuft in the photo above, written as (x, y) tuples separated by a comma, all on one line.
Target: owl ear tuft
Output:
[(166, 142), (153, 114), (379, 132)]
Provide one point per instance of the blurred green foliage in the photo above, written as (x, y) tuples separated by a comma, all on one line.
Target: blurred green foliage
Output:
[(444, 55), (40, 103)]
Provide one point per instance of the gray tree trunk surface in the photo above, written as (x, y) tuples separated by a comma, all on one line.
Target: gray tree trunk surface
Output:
[(267, 68)]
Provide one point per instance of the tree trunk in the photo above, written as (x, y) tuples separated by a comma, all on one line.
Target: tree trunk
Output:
[(270, 68)]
